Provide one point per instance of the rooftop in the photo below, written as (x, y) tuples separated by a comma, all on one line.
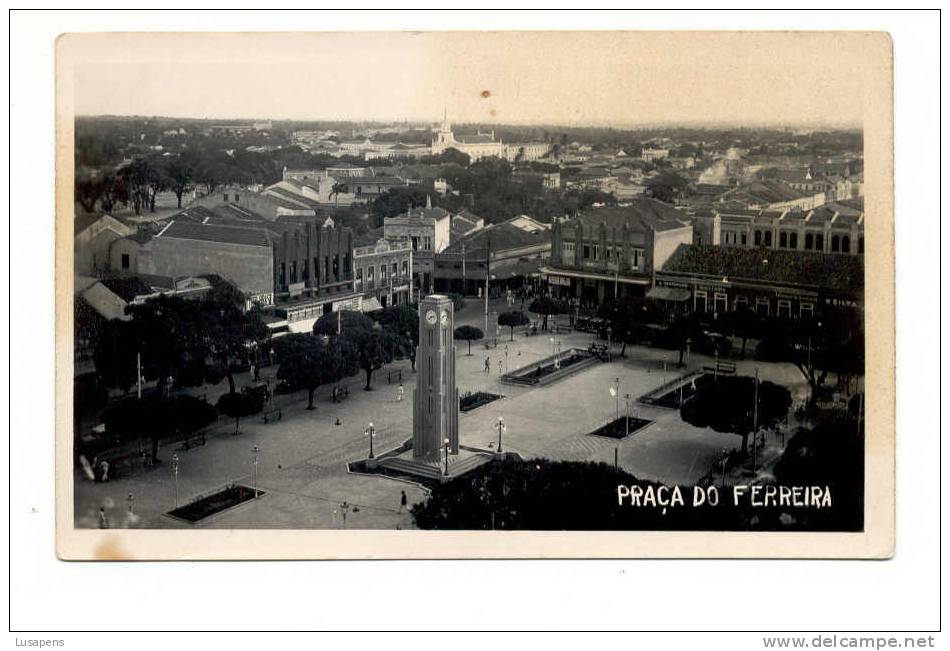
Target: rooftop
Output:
[(839, 273), (642, 214), (189, 230)]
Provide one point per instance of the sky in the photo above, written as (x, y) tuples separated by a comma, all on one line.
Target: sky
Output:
[(620, 79)]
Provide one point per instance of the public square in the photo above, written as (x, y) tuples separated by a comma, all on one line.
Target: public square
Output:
[(302, 463)]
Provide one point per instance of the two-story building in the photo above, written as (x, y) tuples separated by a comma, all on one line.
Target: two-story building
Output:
[(383, 271), (428, 231), (507, 255), (613, 251)]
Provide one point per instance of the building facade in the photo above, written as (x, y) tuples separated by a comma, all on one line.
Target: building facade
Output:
[(383, 271), (613, 251)]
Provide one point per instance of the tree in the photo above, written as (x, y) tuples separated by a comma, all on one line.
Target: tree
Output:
[(830, 342), (337, 189), (88, 192), (468, 333), (179, 175), (666, 186), (831, 454), (512, 320), (307, 362), (727, 404), (240, 405), (403, 322), (132, 418), (373, 346), (230, 331), (547, 306), (156, 417), (627, 315)]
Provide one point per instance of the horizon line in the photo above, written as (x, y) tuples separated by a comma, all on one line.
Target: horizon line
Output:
[(415, 121)]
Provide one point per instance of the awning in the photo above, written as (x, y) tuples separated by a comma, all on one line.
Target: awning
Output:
[(371, 304), (668, 293)]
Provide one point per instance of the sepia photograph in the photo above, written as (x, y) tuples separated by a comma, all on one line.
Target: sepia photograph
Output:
[(395, 289)]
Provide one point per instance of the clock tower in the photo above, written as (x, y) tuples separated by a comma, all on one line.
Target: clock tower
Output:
[(435, 401)]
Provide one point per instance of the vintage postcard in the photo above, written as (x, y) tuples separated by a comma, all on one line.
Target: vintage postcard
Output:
[(475, 295)]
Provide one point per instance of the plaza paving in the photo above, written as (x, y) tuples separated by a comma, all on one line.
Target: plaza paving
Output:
[(302, 463)]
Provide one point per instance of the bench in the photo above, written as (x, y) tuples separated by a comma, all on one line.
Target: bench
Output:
[(192, 441), (269, 414), (721, 368), (397, 374), (600, 350)]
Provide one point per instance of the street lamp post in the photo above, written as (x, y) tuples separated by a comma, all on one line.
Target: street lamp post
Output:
[(506, 358), (617, 394), (501, 427), (257, 451), (175, 470), (445, 444), (626, 399), (370, 431)]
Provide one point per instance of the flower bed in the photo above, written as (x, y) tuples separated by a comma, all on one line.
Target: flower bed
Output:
[(621, 427), (215, 503), (474, 400)]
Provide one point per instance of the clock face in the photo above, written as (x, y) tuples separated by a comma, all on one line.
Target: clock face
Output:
[(445, 319), (431, 317)]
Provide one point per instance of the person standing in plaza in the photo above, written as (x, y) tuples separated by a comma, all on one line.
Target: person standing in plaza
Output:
[(103, 523), (488, 364), (402, 501), (400, 393)]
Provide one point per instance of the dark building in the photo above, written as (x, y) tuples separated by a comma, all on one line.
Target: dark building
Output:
[(613, 251), (787, 284)]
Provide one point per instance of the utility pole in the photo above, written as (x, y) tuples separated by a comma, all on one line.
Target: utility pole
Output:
[(138, 373), (487, 276), (755, 420), (463, 268)]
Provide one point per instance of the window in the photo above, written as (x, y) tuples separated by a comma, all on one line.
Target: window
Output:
[(596, 252), (282, 275), (225, 196), (405, 267), (835, 243), (587, 252), (768, 238), (861, 245), (783, 240), (846, 244), (784, 308), (806, 310), (306, 270), (636, 255), (293, 271), (762, 306), (720, 303), (326, 268), (699, 300), (359, 274), (744, 237), (415, 243), (758, 238), (809, 241), (742, 303), (819, 242), (346, 264), (237, 197), (125, 260), (316, 270), (793, 240)]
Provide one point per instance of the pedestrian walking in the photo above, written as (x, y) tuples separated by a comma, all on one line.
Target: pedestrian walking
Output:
[(400, 393), (501, 366), (402, 501), (488, 364), (103, 523), (105, 471)]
